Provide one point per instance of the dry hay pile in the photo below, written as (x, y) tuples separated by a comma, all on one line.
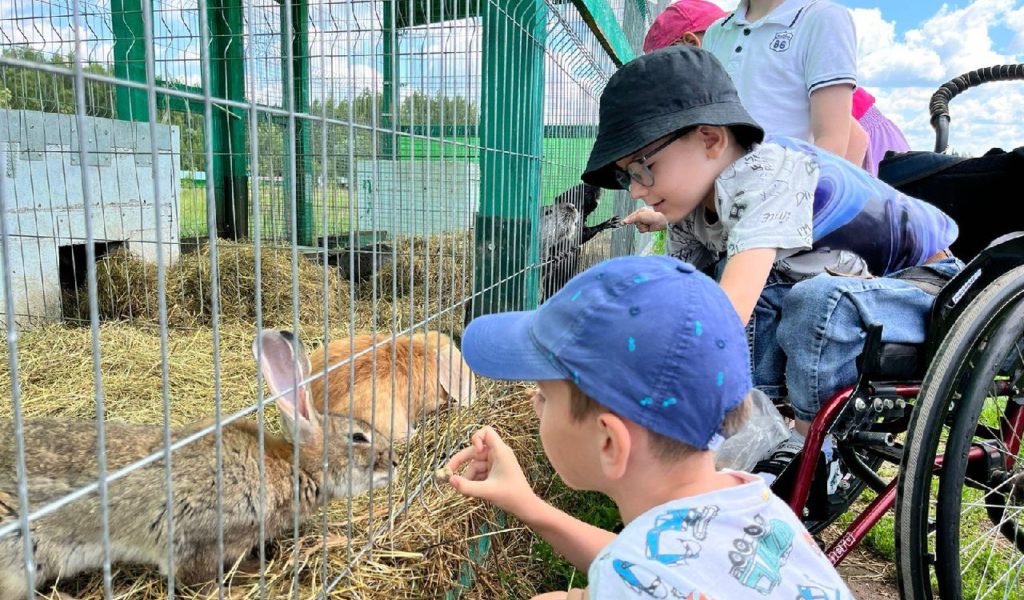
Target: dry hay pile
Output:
[(440, 263), (423, 554), (56, 370), (190, 282), (431, 278), (126, 289), (429, 281)]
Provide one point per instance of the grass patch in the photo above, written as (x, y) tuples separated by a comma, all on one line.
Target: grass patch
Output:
[(659, 243), (274, 211), (590, 507)]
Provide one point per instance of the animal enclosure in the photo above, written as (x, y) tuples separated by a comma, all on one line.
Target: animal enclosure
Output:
[(182, 176)]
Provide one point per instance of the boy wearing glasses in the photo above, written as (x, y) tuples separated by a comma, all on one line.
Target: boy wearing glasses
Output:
[(809, 248)]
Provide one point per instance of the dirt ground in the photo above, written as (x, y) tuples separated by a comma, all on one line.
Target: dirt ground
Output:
[(868, 576)]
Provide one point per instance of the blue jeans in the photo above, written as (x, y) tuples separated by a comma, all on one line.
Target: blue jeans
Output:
[(805, 337)]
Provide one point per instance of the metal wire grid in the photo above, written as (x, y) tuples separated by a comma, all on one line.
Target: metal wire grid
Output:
[(44, 32), (436, 62)]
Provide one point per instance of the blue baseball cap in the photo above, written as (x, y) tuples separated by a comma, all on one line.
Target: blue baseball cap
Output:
[(648, 337)]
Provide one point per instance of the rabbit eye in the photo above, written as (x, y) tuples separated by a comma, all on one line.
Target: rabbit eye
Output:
[(360, 438)]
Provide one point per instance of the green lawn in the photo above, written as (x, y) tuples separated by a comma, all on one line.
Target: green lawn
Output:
[(273, 208), (990, 566)]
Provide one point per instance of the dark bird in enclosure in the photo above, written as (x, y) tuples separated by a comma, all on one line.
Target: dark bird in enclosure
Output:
[(358, 264), (563, 230)]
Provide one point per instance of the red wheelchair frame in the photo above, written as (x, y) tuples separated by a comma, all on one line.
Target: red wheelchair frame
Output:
[(856, 531), (884, 403)]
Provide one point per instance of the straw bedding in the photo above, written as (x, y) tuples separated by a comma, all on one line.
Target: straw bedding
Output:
[(425, 531), (430, 280)]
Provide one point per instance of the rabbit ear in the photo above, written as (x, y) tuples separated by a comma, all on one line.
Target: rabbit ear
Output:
[(452, 372), (284, 363)]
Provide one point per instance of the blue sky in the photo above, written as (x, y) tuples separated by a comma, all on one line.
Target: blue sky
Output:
[(907, 48), (909, 12)]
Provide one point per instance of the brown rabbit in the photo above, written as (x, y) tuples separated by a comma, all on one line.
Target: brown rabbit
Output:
[(60, 456), (426, 368)]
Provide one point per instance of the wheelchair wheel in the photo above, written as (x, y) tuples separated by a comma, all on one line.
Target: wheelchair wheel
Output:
[(959, 525)]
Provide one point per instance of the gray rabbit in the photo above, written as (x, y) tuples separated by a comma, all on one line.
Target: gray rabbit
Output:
[(60, 457)]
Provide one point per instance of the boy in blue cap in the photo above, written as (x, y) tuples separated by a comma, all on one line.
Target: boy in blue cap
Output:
[(642, 366)]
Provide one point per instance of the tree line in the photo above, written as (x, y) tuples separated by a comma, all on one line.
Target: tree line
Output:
[(31, 89)]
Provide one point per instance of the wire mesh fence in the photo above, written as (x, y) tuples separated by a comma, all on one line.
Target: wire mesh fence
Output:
[(182, 180)]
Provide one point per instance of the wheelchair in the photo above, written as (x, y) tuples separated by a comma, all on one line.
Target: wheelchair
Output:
[(935, 429)]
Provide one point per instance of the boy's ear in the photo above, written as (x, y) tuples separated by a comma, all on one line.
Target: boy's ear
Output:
[(689, 39), (616, 445), (715, 138)]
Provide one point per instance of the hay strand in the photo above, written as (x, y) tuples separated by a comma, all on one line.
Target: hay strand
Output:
[(126, 289), (191, 284), (427, 532)]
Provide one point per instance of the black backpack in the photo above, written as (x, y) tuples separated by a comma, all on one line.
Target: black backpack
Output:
[(981, 194)]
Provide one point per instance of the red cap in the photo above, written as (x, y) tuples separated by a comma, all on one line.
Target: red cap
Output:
[(681, 17)]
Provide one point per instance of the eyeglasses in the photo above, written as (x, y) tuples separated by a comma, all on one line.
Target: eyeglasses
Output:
[(638, 171)]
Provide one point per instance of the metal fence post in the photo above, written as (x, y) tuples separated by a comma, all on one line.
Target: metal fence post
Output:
[(129, 58), (511, 136), (227, 73)]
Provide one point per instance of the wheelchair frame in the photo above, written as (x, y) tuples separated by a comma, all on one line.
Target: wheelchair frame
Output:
[(867, 401)]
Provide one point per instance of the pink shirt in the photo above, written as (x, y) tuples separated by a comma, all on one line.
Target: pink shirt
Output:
[(862, 101)]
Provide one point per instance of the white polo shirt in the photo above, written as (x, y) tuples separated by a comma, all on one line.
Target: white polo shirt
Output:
[(778, 61)]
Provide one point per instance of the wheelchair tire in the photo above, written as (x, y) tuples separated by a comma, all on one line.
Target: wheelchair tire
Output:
[(958, 368), (973, 498)]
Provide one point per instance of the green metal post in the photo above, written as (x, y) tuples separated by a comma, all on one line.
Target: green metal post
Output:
[(600, 17), (230, 158), (302, 152), (389, 117), (512, 129), (129, 58)]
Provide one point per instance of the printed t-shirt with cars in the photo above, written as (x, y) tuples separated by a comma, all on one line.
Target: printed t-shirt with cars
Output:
[(819, 210), (740, 542)]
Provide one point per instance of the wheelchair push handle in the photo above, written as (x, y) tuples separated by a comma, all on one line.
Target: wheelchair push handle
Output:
[(939, 104)]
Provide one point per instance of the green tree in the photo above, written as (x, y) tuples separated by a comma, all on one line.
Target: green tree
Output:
[(350, 120), (32, 89)]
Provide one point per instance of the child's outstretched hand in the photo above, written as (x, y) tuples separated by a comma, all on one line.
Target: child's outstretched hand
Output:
[(493, 474), (646, 220)]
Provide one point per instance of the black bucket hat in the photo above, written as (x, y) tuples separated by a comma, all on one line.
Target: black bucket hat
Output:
[(657, 94)]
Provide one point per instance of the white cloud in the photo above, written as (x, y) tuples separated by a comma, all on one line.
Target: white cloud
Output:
[(54, 38), (1014, 20), (882, 60), (947, 44), (903, 71)]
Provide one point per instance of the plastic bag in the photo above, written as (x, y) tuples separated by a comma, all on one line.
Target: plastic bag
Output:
[(765, 430)]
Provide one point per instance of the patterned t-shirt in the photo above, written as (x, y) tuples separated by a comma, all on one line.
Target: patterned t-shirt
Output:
[(818, 209), (740, 542)]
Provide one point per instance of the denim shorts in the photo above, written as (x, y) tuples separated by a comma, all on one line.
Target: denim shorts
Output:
[(805, 337)]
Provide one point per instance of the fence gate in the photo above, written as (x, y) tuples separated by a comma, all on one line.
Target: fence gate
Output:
[(180, 181)]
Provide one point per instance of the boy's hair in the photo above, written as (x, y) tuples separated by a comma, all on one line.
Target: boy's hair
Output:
[(745, 137), (664, 447)]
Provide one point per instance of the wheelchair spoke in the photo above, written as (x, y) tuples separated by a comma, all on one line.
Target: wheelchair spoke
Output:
[(992, 532), (960, 525), (1016, 567)]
